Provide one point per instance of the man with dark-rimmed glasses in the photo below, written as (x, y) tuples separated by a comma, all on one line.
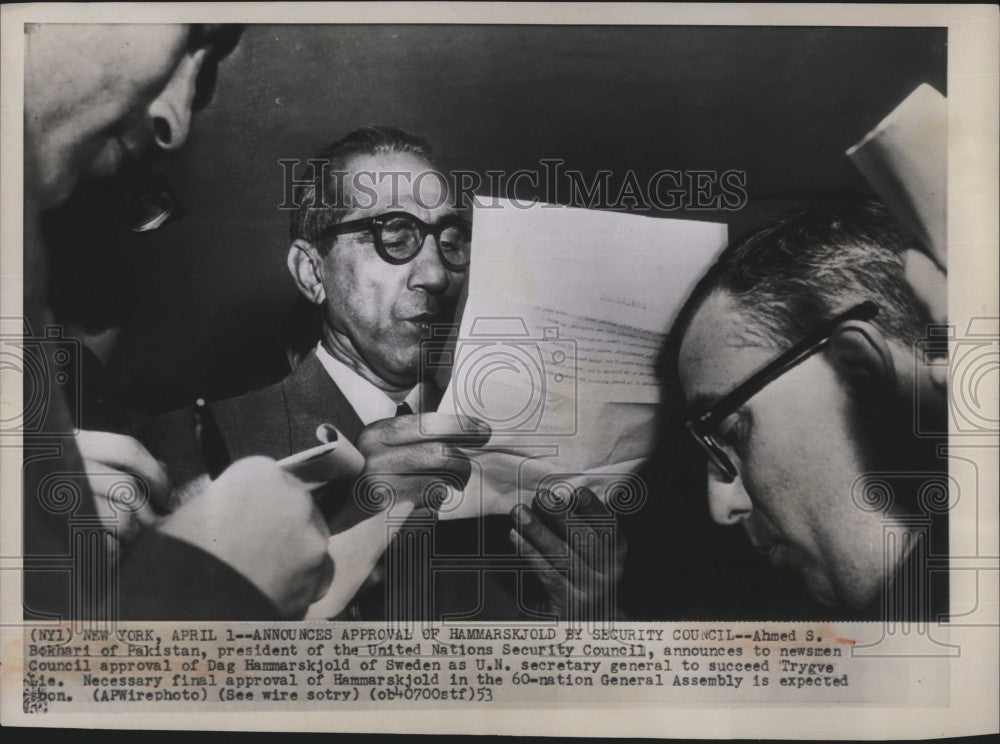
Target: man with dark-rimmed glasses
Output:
[(795, 356), (380, 252)]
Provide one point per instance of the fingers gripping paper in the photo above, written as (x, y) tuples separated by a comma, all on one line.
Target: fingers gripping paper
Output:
[(566, 313)]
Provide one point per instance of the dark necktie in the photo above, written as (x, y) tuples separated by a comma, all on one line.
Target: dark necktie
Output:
[(403, 409)]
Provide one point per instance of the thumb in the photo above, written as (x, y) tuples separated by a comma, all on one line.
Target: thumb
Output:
[(186, 492)]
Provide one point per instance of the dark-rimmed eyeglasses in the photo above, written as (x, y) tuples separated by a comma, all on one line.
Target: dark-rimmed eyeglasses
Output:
[(399, 237), (704, 426)]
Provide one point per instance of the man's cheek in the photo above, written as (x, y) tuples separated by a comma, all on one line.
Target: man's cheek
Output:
[(149, 59), (769, 495), (371, 301)]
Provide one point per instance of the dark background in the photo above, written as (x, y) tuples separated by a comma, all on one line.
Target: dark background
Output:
[(211, 292)]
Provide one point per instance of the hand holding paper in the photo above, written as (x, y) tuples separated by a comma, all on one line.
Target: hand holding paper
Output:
[(406, 462)]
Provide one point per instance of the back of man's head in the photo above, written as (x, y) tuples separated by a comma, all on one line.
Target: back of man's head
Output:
[(321, 203), (791, 276)]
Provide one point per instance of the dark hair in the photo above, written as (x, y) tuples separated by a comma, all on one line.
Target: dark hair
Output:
[(310, 219), (789, 277), (219, 40)]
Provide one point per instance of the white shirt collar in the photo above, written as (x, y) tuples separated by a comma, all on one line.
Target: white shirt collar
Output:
[(369, 402)]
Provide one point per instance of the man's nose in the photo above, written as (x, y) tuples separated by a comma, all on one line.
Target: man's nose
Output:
[(728, 503), (428, 272), (170, 111)]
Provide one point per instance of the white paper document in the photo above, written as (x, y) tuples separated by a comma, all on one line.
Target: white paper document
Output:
[(566, 314), (905, 159), (355, 553)]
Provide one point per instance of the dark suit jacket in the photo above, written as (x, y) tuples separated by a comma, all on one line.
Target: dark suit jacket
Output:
[(69, 571), (275, 421), (282, 419)]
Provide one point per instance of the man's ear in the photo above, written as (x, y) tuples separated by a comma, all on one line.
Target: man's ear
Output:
[(860, 352), (306, 267)]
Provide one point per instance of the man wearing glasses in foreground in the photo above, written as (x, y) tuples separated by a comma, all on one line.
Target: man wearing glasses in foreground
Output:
[(795, 356)]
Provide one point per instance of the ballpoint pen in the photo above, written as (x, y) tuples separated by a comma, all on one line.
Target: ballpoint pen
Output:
[(208, 437)]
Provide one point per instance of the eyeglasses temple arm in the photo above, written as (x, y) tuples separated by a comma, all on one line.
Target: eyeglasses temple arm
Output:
[(790, 358)]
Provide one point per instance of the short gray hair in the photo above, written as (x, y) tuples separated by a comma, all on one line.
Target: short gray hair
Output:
[(313, 215), (789, 277)]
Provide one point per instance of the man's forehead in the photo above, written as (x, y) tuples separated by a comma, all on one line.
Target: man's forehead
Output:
[(715, 355), (394, 180)]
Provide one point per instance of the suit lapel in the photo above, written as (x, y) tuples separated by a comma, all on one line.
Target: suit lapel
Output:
[(311, 399), (430, 396)]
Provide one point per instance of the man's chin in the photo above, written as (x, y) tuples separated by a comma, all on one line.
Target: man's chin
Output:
[(400, 375), (820, 588)]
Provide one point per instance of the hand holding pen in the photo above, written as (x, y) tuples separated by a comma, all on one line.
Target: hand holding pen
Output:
[(333, 458), (284, 524)]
